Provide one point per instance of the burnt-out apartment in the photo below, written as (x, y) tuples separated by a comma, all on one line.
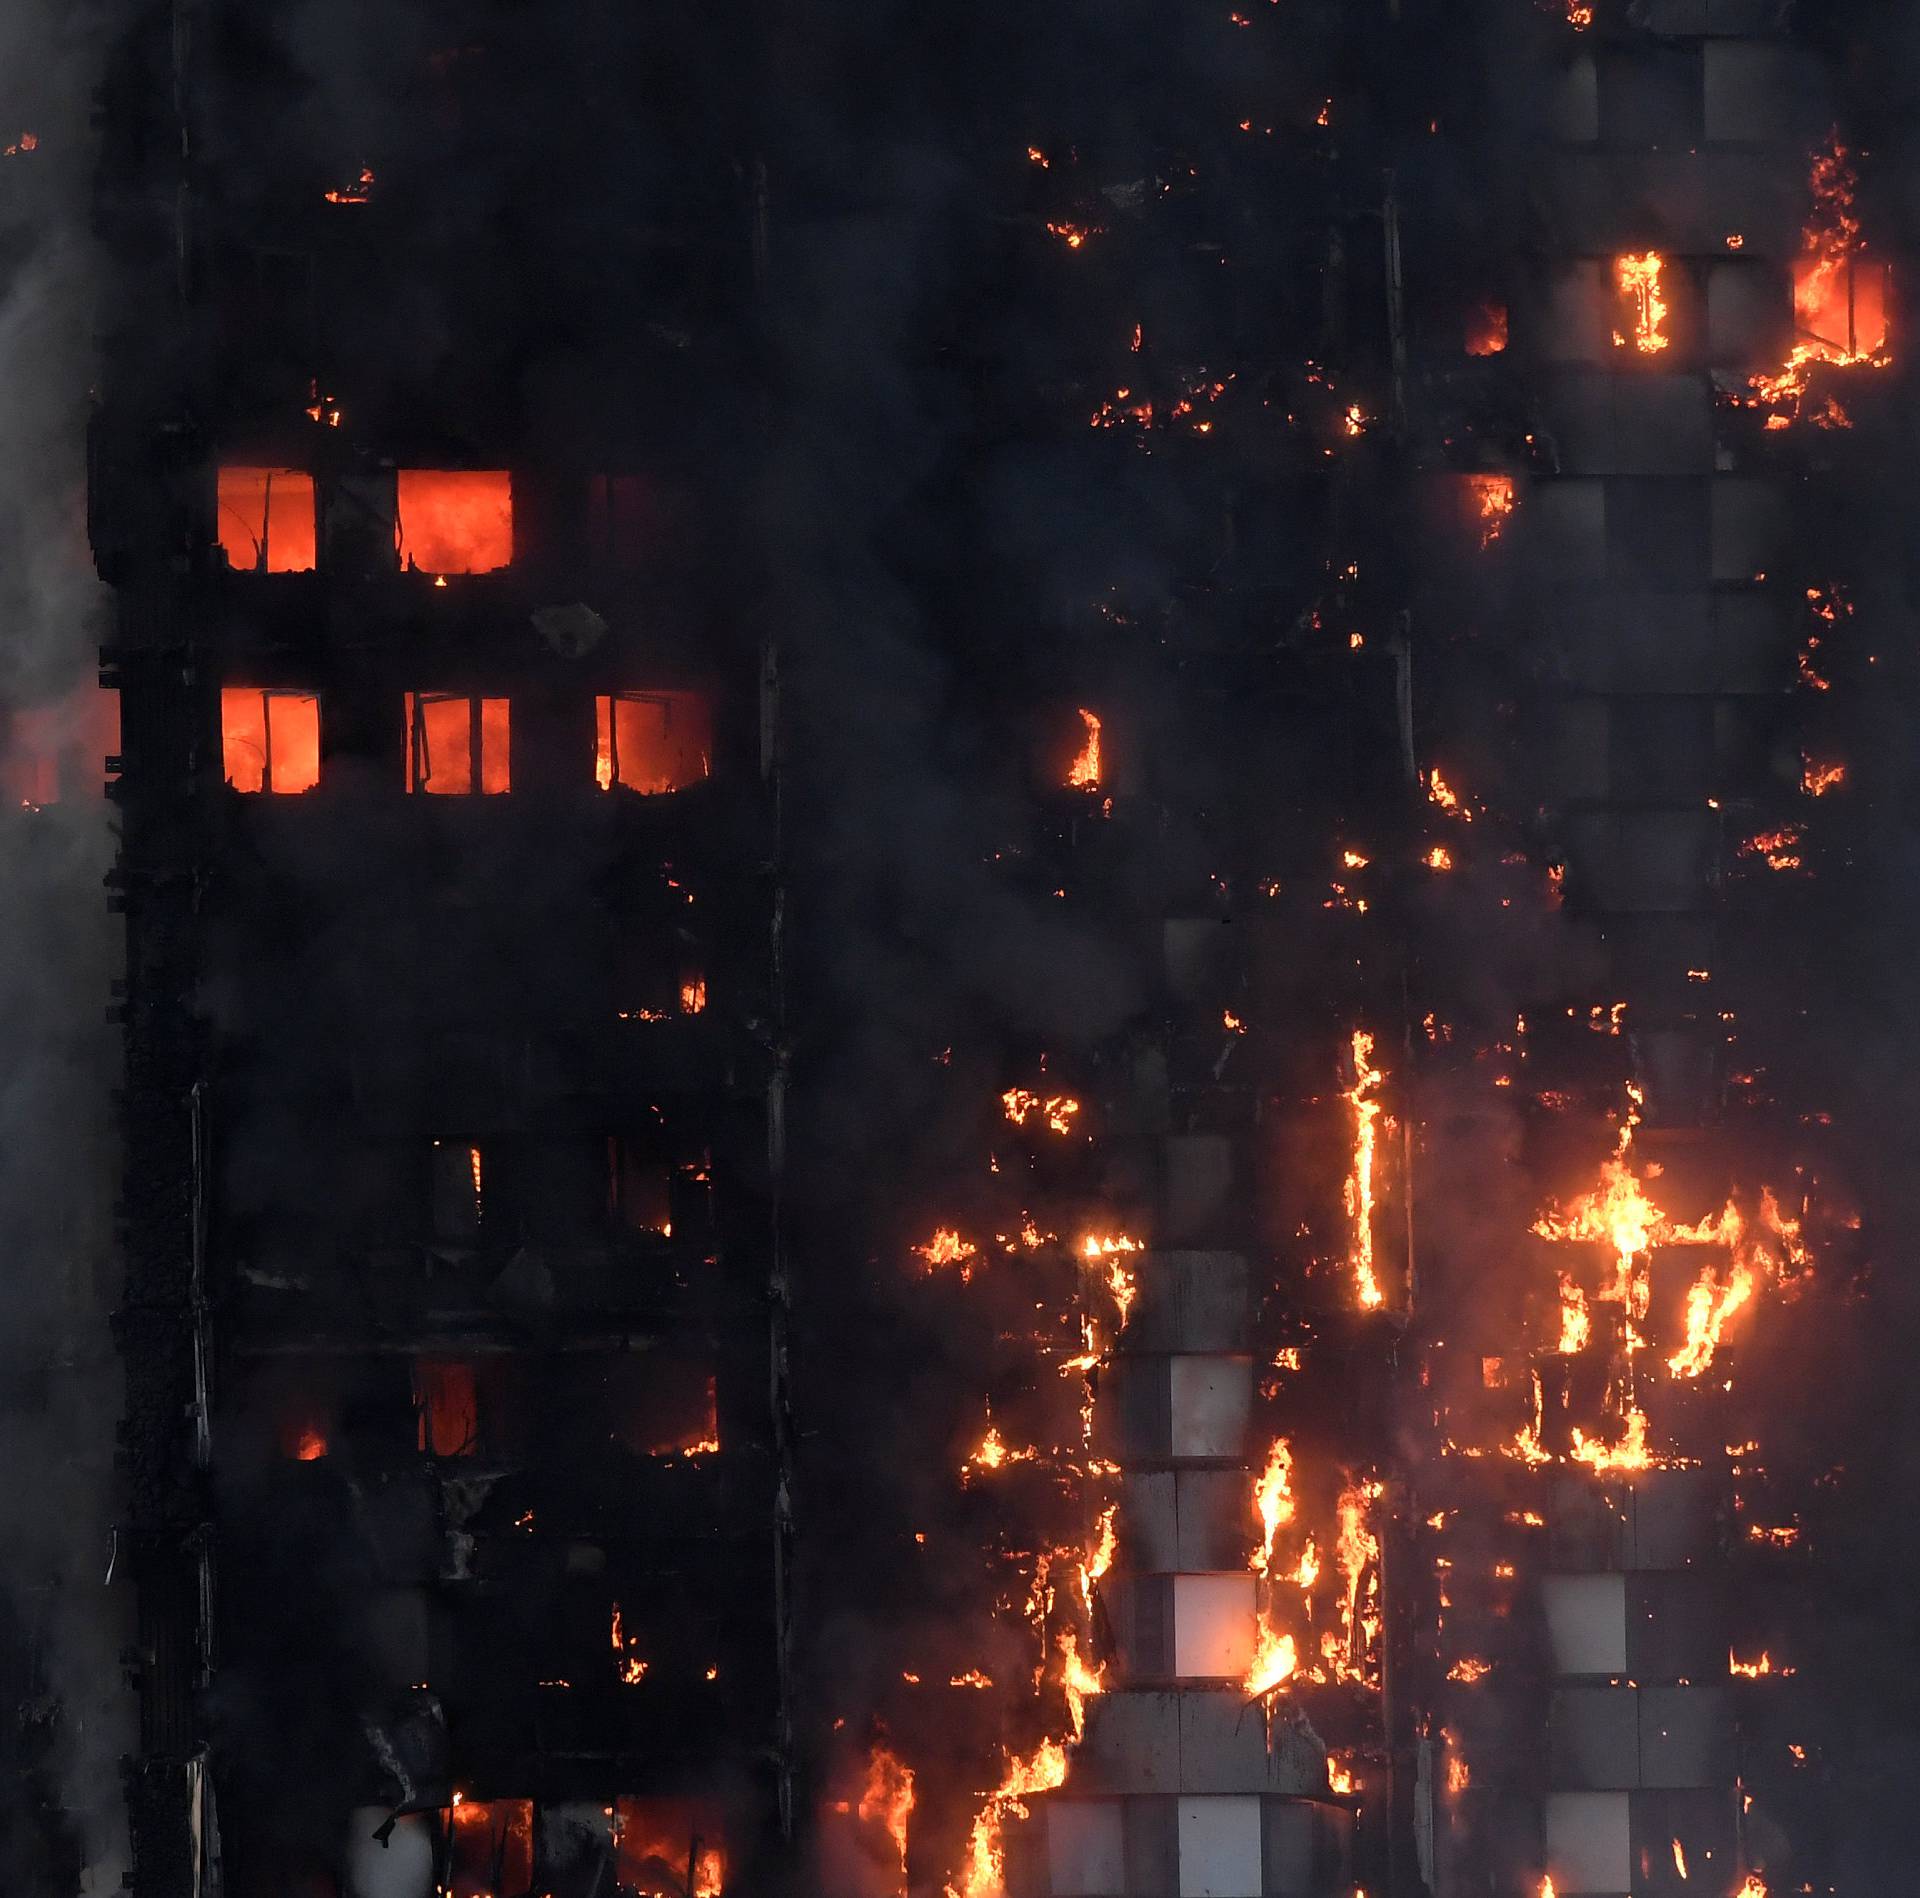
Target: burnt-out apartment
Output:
[(1014, 998)]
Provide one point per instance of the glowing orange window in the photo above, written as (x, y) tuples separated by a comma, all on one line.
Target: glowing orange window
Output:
[(1841, 303), (447, 1405), (652, 741), (1487, 328), (265, 518), (303, 1434), (455, 742), (492, 1841), (455, 520), (270, 739), (658, 1841)]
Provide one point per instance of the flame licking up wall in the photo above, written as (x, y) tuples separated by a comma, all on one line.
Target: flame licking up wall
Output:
[(1636, 276), (888, 1799), (1363, 1098), (1840, 302), (1084, 773), (1493, 499)]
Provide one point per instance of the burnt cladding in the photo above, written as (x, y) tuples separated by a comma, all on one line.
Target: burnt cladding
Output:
[(985, 873)]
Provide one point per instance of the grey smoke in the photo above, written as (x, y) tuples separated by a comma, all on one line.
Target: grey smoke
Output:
[(60, 1390)]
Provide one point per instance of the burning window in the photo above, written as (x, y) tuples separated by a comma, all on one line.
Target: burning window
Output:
[(458, 1190), (266, 519), (1486, 328), (652, 742), (447, 1404), (491, 1846), (270, 738), (665, 1407), (668, 1848), (639, 1188), (454, 520), (1841, 302), (456, 743), (1643, 303), (303, 1430)]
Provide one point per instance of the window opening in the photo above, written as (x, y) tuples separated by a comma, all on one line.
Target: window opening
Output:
[(652, 742), (270, 739), (454, 740), (265, 518)]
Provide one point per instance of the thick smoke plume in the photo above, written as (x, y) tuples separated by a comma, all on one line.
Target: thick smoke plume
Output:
[(61, 1625)]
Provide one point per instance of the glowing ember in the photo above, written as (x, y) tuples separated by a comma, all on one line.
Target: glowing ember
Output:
[(1818, 779), (1440, 792), (1359, 1192), (1272, 1503), (1084, 773), (1493, 496), (1756, 1670), (1073, 235), (1439, 858), (1778, 849), (888, 1798), (1636, 276), (26, 142), (693, 995), (1057, 1110), (356, 193), (1468, 1669)]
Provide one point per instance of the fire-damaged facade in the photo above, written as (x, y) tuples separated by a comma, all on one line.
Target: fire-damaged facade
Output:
[(968, 924)]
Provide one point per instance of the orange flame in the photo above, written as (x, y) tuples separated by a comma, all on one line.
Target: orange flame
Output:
[(1273, 1503), (888, 1797), (1576, 1323), (946, 1247), (1709, 1306), (1084, 773), (1359, 1194), (1275, 1661), (1469, 1669), (1057, 1110), (1493, 496), (1636, 275), (1818, 779)]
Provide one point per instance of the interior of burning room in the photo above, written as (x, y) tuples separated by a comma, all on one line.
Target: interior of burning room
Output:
[(958, 952)]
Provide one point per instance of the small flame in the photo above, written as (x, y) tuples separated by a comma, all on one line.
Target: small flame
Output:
[(1818, 779), (1469, 1669), (946, 1247)]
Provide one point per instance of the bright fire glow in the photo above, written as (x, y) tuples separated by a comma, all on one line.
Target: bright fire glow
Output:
[(1272, 1503), (1362, 1097), (888, 1799), (651, 742), (1084, 773), (270, 739), (454, 520), (1057, 1110), (1636, 275), (1493, 498), (1817, 779), (1487, 329), (449, 734), (1840, 303), (266, 519)]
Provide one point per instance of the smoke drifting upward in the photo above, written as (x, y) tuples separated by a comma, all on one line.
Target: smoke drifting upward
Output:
[(61, 1628)]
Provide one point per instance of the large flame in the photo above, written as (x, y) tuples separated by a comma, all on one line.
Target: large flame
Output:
[(1273, 1503), (1362, 1097), (1636, 276), (888, 1798)]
